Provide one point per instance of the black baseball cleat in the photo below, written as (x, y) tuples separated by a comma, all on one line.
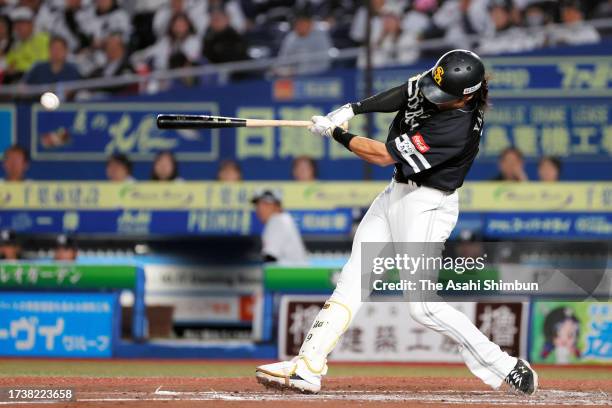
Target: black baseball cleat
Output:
[(523, 378)]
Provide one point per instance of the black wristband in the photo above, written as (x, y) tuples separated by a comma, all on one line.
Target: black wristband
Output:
[(343, 137)]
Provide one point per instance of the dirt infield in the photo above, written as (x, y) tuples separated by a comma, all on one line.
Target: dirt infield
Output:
[(338, 392)]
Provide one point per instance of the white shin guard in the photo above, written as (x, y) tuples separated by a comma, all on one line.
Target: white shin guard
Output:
[(331, 322)]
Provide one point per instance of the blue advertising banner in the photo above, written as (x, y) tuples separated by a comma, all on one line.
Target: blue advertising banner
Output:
[(92, 132), (241, 222), (57, 324), (548, 225), (527, 77), (570, 129), (7, 126), (159, 222)]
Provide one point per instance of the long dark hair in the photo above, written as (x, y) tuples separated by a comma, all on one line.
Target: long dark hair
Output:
[(9, 32), (159, 155), (552, 322), (191, 30), (482, 95)]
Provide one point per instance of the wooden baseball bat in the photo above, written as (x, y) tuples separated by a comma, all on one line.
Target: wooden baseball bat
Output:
[(179, 121)]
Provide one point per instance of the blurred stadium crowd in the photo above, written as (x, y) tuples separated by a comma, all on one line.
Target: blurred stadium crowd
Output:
[(48, 41), (165, 167)]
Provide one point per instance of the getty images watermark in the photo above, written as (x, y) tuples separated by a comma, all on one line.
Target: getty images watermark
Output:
[(460, 265), (482, 271)]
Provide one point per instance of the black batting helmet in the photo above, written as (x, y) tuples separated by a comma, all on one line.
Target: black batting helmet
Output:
[(457, 73)]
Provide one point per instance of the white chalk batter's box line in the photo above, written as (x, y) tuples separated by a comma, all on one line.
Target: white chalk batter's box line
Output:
[(451, 397)]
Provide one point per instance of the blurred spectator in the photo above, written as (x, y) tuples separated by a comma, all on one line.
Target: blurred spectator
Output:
[(180, 39), (262, 12), (229, 170), (505, 36), (6, 6), (40, 11), (222, 43), (574, 31), (392, 46), (165, 167), (418, 18), (114, 63), (179, 60), (65, 248), (57, 69), (303, 41), (33, 5), (511, 165), (6, 40), (163, 16), (304, 168), (456, 19), (71, 23), (538, 14), (603, 9), (281, 240), (360, 20), (29, 47), (393, 40), (335, 12), (143, 12), (144, 6), (199, 11), (10, 250), (397, 27), (105, 19), (119, 168), (45, 13), (233, 10), (549, 169), (15, 163)]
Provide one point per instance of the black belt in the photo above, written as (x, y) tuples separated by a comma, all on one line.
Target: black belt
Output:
[(399, 178), (404, 180)]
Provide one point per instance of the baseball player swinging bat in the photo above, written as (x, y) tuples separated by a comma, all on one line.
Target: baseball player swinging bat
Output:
[(432, 144)]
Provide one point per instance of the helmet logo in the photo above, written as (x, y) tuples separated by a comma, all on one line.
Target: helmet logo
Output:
[(437, 76)]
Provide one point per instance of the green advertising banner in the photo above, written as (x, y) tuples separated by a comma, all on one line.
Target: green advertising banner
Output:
[(571, 332), (52, 276), (286, 278)]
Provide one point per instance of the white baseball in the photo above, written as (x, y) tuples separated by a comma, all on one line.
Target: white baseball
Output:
[(49, 101)]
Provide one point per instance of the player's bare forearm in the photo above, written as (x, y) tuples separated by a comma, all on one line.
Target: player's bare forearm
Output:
[(372, 151)]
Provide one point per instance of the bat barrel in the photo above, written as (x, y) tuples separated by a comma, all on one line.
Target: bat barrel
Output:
[(178, 121)]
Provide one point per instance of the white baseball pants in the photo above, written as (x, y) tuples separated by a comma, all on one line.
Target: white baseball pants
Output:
[(405, 213)]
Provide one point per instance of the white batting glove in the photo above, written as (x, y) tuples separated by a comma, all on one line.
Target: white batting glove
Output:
[(341, 115), (321, 126)]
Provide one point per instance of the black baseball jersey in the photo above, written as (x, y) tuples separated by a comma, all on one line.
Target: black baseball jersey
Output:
[(431, 147)]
